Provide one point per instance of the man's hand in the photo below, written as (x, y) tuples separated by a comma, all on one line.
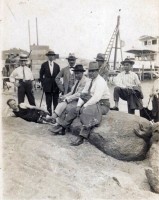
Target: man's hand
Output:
[(61, 99), (78, 110), (16, 84), (130, 87)]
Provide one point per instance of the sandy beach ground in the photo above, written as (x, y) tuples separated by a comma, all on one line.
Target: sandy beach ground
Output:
[(40, 166)]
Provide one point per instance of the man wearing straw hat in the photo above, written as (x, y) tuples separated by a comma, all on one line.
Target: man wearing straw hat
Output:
[(67, 74), (128, 88), (48, 73), (92, 104), (22, 78)]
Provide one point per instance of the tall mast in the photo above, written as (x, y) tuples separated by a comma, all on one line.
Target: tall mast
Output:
[(37, 31), (116, 41), (29, 33)]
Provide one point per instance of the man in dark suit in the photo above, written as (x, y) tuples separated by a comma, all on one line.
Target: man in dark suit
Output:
[(67, 75), (48, 73)]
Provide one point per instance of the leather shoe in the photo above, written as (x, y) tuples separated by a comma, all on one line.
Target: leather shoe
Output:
[(78, 142), (115, 108), (56, 129)]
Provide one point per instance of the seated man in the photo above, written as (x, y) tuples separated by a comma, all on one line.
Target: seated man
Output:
[(128, 88), (92, 104), (69, 100), (28, 112)]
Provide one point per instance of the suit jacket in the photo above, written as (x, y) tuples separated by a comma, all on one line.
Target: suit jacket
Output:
[(48, 80), (71, 97), (65, 74)]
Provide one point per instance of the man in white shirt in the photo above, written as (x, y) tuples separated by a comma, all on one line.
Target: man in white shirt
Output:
[(92, 104), (128, 88), (22, 77)]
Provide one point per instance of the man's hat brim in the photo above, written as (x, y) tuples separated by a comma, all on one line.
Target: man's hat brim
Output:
[(100, 59), (71, 58), (127, 61), (80, 70), (50, 54)]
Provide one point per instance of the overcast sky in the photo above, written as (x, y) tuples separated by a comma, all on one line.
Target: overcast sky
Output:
[(80, 26)]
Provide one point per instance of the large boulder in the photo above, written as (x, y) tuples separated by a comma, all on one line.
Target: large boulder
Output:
[(153, 157), (116, 135)]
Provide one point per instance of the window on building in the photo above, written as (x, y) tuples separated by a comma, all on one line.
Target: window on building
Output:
[(154, 41), (145, 42)]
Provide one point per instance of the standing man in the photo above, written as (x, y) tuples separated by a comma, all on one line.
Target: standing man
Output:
[(128, 88), (68, 75), (48, 73), (103, 67), (22, 78), (155, 100)]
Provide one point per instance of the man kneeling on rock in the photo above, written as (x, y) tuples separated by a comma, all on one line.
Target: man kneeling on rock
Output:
[(92, 104), (128, 88), (29, 113)]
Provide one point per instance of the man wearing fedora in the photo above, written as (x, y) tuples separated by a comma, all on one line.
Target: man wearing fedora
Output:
[(22, 78), (103, 67), (92, 104), (48, 73), (128, 88), (69, 100), (67, 74)]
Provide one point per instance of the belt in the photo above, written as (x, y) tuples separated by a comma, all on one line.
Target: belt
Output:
[(26, 81)]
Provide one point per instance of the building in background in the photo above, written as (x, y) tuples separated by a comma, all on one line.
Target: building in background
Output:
[(147, 56)]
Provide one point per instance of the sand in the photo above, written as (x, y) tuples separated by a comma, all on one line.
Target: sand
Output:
[(38, 165)]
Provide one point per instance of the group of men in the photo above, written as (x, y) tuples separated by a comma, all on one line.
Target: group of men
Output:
[(85, 97)]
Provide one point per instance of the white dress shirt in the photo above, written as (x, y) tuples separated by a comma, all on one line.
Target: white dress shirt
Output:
[(18, 74), (51, 66), (124, 79), (98, 91)]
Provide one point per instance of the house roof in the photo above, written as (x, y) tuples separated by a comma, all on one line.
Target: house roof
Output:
[(147, 37), (140, 51)]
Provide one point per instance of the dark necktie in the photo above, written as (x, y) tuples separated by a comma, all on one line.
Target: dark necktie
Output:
[(89, 89), (24, 74), (74, 90)]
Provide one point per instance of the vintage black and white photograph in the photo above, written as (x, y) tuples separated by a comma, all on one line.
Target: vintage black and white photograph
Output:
[(79, 99)]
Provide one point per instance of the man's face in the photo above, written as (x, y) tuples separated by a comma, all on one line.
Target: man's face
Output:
[(100, 63), (127, 67), (78, 75), (13, 105), (71, 62), (23, 62), (93, 74), (51, 57)]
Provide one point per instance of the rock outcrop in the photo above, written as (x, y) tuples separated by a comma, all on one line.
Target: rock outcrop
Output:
[(116, 135), (153, 156)]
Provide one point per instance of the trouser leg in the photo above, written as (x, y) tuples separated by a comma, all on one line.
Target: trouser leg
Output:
[(55, 99), (68, 119), (21, 93), (29, 94), (131, 111), (120, 93), (60, 108), (48, 96)]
